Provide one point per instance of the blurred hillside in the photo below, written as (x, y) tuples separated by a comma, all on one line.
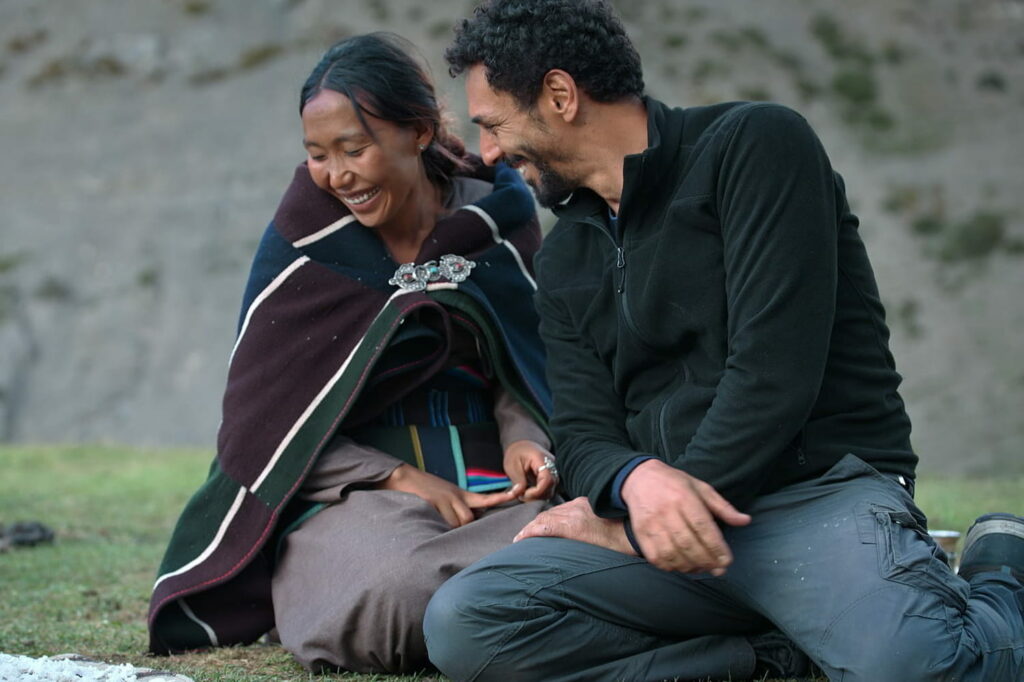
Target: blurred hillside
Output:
[(146, 144)]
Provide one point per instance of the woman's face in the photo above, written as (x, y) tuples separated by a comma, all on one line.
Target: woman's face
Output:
[(379, 177)]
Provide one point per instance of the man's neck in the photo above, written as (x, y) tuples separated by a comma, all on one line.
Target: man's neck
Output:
[(613, 132)]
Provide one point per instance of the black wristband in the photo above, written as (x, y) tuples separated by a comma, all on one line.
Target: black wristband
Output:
[(632, 538)]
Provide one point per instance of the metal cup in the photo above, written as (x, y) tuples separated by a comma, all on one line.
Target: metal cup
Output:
[(947, 540)]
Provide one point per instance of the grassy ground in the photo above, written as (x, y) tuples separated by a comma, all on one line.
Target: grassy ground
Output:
[(113, 510)]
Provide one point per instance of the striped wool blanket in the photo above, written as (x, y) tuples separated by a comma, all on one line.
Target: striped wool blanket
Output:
[(320, 307)]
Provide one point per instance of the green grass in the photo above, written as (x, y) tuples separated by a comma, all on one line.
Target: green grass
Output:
[(112, 510), (954, 503)]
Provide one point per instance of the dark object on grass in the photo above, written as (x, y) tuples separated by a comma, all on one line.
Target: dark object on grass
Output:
[(25, 534)]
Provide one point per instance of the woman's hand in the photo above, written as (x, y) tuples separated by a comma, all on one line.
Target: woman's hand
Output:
[(451, 502), (531, 469)]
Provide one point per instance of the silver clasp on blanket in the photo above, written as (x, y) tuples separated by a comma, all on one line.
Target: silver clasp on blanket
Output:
[(412, 277)]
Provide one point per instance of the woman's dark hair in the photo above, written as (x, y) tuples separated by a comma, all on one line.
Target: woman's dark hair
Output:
[(378, 74), (519, 41)]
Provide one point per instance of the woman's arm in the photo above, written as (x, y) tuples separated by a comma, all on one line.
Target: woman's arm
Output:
[(345, 464), (527, 449)]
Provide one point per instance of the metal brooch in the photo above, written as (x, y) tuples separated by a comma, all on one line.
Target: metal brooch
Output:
[(412, 277)]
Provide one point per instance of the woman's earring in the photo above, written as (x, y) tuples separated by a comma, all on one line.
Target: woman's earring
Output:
[(422, 147)]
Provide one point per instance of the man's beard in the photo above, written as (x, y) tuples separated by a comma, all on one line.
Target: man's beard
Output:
[(551, 188)]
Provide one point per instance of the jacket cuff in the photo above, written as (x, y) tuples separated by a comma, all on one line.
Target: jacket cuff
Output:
[(620, 479), (627, 525), (603, 470)]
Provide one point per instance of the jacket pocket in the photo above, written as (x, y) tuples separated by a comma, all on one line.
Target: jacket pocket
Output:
[(678, 417)]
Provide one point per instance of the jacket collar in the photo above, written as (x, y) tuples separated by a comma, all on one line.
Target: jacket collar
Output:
[(644, 174)]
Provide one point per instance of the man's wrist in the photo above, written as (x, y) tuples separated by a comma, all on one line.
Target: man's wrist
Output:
[(630, 481), (620, 479)]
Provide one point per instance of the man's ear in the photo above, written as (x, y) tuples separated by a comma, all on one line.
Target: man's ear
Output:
[(559, 96)]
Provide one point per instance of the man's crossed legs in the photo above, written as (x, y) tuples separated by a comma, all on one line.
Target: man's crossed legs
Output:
[(840, 564)]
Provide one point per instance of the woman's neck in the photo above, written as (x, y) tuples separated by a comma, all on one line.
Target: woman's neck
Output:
[(405, 236)]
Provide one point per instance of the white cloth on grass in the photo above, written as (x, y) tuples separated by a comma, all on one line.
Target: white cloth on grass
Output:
[(72, 668)]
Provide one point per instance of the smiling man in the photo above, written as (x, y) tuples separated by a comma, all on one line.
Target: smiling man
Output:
[(554, 169), (726, 407)]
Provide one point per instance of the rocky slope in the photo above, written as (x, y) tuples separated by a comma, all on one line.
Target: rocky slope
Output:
[(146, 144)]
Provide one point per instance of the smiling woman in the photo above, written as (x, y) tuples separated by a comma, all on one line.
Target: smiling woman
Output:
[(385, 415), (383, 152)]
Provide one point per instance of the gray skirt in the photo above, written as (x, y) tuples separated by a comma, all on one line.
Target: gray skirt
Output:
[(354, 580)]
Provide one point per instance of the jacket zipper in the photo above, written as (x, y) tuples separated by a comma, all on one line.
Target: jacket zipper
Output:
[(620, 288), (620, 254)]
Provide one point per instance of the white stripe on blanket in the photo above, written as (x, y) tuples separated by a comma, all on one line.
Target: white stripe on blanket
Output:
[(496, 235), (235, 506), (320, 234), (263, 295), (204, 625)]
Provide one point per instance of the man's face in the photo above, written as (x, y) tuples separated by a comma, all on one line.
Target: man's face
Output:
[(519, 138)]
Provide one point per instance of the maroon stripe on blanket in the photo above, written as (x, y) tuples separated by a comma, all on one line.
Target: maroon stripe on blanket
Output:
[(305, 331)]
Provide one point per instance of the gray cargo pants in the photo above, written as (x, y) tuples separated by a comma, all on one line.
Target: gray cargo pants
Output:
[(841, 564)]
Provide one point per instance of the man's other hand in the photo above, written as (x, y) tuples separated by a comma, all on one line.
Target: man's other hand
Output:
[(674, 517)]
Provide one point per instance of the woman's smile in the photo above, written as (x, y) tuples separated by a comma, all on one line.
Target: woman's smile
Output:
[(360, 199)]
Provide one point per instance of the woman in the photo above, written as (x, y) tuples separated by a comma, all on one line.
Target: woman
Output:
[(383, 419)]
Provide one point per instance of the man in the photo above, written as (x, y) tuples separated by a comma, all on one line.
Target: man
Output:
[(725, 402)]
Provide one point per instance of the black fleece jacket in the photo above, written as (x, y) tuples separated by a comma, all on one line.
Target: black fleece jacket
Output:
[(731, 327)]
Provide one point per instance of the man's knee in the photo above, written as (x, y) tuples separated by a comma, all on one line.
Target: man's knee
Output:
[(450, 626), (443, 624), (490, 618), (468, 620)]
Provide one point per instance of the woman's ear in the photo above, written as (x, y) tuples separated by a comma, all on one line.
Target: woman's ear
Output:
[(424, 137)]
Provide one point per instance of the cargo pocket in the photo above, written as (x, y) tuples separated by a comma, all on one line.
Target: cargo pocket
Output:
[(907, 555)]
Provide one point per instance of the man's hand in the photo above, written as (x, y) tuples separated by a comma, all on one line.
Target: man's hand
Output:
[(575, 520), (524, 464), (452, 502), (674, 519)]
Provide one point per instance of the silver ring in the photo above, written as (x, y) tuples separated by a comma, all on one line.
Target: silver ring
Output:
[(549, 463)]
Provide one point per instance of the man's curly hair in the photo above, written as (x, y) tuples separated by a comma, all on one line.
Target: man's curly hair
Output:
[(519, 41)]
